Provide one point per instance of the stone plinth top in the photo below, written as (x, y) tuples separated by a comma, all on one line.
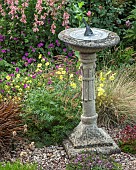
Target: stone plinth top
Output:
[(100, 40)]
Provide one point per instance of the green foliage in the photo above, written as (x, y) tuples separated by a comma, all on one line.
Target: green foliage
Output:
[(50, 111), (109, 14), (77, 11), (131, 32), (90, 160), (116, 58), (17, 166)]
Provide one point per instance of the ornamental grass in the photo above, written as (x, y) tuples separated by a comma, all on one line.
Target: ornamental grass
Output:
[(116, 97)]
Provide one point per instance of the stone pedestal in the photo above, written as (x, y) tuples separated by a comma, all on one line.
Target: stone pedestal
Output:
[(87, 136)]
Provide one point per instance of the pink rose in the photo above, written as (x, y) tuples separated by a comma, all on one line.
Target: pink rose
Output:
[(88, 13)]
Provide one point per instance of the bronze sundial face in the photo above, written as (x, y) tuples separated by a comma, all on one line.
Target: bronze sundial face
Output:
[(98, 35)]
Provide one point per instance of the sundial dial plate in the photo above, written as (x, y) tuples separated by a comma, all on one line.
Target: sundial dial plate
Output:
[(97, 35)]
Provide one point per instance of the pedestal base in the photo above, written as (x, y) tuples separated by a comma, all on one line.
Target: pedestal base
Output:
[(89, 138)]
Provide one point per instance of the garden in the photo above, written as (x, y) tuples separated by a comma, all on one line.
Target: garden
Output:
[(40, 83)]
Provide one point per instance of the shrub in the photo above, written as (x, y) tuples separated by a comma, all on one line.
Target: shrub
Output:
[(10, 123), (120, 58), (87, 161), (31, 27), (109, 14), (51, 107), (131, 24), (127, 139), (17, 166)]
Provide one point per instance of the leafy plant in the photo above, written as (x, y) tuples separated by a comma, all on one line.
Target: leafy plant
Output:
[(120, 58), (90, 160), (17, 166), (127, 139), (51, 110), (131, 32)]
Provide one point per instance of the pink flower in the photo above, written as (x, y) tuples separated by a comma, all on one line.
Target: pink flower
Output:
[(53, 27), (88, 13), (65, 19)]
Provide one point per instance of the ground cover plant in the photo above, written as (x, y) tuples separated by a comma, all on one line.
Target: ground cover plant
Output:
[(89, 160), (127, 139), (17, 166)]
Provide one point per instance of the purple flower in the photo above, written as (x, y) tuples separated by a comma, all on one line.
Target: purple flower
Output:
[(33, 50), (40, 45), (57, 41), (25, 86), (15, 38), (26, 54), (49, 81), (2, 91), (12, 75), (51, 45), (64, 49), (30, 60), (0, 59), (49, 52), (34, 76), (3, 51), (8, 83), (128, 23), (17, 69), (24, 58), (2, 38), (70, 54), (13, 63)]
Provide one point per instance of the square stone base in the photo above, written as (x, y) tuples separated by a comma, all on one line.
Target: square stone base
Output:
[(89, 138)]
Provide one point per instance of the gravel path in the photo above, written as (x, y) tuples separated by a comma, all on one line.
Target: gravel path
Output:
[(55, 157)]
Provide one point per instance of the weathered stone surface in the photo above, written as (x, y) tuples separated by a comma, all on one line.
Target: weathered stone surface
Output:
[(87, 136), (88, 46)]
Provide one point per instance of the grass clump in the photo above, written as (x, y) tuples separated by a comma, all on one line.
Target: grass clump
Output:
[(116, 97), (17, 166)]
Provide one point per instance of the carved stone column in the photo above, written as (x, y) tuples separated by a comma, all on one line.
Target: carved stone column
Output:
[(89, 115)]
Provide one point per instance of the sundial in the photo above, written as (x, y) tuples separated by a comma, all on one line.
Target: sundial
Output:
[(87, 135)]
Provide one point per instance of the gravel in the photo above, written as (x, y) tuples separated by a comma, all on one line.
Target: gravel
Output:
[(55, 157)]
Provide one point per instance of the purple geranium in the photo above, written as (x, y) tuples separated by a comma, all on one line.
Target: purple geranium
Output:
[(49, 53), (2, 38), (51, 45), (17, 69), (26, 54), (3, 51), (40, 45)]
